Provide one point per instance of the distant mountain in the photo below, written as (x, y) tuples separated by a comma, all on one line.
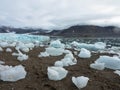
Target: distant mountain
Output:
[(4, 29), (74, 31), (88, 31)]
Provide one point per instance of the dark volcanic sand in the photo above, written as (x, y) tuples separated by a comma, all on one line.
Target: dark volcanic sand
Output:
[(37, 79)]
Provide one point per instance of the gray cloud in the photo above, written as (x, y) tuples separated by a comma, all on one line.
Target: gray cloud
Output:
[(59, 14)]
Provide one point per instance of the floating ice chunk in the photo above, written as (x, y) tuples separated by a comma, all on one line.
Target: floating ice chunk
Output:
[(110, 62), (57, 44), (84, 53), (43, 54), (13, 44), (100, 45), (1, 49), (56, 73), (59, 64), (54, 51), (8, 50), (74, 44), (117, 72), (98, 66), (4, 44), (22, 57), (80, 82), (68, 46), (67, 51), (30, 45), (13, 74)]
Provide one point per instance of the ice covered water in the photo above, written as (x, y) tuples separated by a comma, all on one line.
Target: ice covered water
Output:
[(95, 46), (22, 37)]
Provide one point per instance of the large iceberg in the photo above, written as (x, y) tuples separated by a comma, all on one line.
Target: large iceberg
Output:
[(22, 37), (110, 62)]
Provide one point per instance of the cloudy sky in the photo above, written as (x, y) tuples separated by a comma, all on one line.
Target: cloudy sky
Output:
[(59, 14)]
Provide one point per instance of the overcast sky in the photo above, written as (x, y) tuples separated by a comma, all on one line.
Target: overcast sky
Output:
[(59, 14)]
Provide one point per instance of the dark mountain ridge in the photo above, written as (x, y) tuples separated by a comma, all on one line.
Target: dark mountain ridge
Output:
[(74, 31)]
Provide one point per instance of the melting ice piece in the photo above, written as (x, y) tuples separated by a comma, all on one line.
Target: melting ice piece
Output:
[(57, 44), (43, 54), (1, 62), (100, 45), (84, 53), (13, 74), (68, 61), (54, 51), (1, 49), (4, 44), (80, 82), (117, 72), (59, 64), (98, 66), (8, 50), (56, 73), (22, 57), (110, 62)]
